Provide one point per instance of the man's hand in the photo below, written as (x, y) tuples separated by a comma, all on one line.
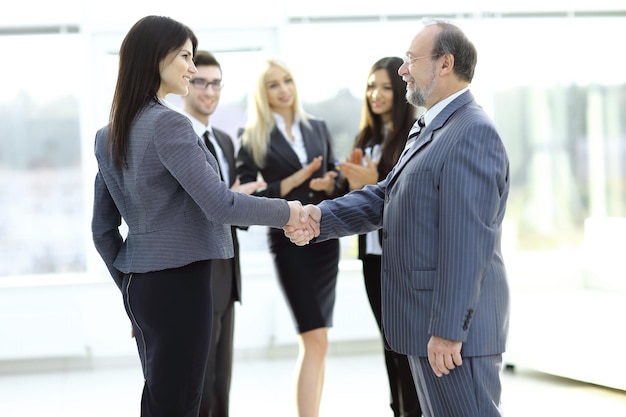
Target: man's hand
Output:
[(301, 224), (309, 226), (444, 355)]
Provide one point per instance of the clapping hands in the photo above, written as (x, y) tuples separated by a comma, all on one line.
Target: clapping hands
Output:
[(304, 223), (358, 174)]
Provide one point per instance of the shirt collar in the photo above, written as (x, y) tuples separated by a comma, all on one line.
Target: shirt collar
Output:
[(280, 121), (430, 115), (168, 104), (198, 126)]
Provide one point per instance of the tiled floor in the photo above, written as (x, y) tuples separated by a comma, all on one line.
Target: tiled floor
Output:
[(355, 386)]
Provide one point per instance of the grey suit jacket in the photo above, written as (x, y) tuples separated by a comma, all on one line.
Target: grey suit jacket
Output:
[(177, 209), (441, 209)]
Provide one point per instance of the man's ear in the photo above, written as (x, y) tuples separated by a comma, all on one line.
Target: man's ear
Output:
[(447, 64)]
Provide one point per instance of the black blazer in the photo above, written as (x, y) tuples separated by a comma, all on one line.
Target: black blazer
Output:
[(282, 161), (228, 148)]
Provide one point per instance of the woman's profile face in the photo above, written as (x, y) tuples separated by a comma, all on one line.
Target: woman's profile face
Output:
[(280, 88), (176, 70), (379, 93)]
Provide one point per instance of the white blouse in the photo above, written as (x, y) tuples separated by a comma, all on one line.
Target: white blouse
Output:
[(298, 143), (372, 240)]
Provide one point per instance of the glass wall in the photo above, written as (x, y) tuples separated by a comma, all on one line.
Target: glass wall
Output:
[(41, 186), (551, 85)]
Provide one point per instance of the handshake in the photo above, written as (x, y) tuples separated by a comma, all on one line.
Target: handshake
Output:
[(303, 224)]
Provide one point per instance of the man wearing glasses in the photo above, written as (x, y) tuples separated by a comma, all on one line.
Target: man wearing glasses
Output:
[(199, 105), (444, 286)]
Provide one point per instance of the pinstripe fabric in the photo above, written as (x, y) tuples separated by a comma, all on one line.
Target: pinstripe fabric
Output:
[(441, 209), (475, 387), (171, 197)]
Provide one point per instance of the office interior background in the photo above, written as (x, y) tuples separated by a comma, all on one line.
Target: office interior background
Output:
[(549, 73)]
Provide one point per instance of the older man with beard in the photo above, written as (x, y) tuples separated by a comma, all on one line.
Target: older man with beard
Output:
[(445, 296)]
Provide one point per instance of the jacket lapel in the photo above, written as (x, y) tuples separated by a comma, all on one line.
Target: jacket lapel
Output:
[(312, 141), (283, 150), (427, 135), (229, 151)]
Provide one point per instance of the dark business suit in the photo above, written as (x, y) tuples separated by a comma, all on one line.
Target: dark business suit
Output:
[(226, 285), (441, 210), (178, 213), (307, 274), (404, 401)]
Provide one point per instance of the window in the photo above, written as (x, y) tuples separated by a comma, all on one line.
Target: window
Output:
[(41, 186)]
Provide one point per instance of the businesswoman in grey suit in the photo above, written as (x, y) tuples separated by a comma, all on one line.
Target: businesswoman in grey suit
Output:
[(294, 155), (157, 175), (445, 297), (199, 105)]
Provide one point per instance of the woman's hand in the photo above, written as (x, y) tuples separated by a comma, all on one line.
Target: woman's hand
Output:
[(326, 183), (247, 188), (298, 177), (358, 174)]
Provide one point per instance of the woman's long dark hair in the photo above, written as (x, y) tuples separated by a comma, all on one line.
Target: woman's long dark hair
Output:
[(146, 44), (402, 118)]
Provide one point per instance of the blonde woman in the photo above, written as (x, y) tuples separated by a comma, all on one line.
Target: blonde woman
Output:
[(293, 153)]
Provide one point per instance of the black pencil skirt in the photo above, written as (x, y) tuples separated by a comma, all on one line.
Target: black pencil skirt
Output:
[(308, 278)]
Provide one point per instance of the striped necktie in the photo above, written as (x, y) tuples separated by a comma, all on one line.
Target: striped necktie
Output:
[(415, 132)]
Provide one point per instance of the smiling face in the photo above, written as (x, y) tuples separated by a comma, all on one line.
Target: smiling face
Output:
[(281, 90), (379, 94), (176, 70), (421, 74), (202, 101)]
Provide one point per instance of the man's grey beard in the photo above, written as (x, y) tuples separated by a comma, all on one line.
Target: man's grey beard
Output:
[(416, 98)]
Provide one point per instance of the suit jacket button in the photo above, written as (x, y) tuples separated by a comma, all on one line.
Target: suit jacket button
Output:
[(311, 194), (384, 234)]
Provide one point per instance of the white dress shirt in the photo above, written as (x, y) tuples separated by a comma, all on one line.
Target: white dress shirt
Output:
[(200, 128), (372, 239), (298, 143)]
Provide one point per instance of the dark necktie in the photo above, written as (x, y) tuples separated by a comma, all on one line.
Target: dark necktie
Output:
[(209, 145), (415, 132)]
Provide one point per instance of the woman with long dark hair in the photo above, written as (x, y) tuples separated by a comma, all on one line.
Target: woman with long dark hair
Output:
[(158, 176), (385, 123)]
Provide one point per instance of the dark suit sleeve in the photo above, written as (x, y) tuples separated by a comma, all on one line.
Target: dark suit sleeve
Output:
[(471, 189), (228, 147), (248, 171), (341, 183)]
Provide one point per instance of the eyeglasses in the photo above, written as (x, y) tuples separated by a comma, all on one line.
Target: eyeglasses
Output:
[(202, 84), (409, 59)]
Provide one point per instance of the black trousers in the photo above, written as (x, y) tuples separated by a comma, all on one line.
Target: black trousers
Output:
[(171, 313), (404, 401), (216, 392)]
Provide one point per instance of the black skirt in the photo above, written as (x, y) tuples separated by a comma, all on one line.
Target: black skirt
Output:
[(308, 278)]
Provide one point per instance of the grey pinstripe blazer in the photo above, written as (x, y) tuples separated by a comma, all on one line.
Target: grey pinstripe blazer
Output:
[(177, 209), (441, 209)]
